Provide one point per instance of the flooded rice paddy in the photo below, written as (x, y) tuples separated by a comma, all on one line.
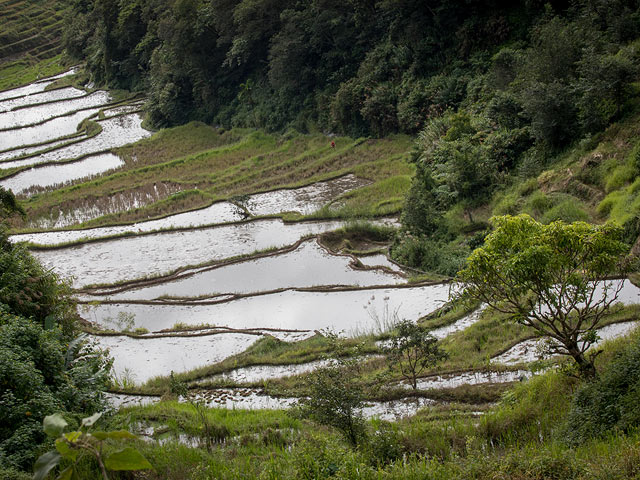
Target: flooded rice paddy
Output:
[(25, 151), (60, 175), (134, 257), (35, 87), (116, 132), (88, 209), (217, 213), (44, 132), (140, 360), (40, 97), (308, 265), (353, 311), (303, 200), (39, 113), (290, 294)]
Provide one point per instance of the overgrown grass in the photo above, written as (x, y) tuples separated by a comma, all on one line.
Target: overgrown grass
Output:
[(210, 165)]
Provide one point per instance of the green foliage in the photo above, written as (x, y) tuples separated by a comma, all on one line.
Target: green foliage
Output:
[(30, 290), (74, 445), (40, 373), (336, 394), (610, 402), (429, 255), (550, 278), (412, 349), (567, 211)]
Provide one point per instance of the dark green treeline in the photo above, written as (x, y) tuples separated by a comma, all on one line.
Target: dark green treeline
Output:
[(355, 67)]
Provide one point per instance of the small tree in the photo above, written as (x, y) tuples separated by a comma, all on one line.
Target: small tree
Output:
[(336, 395), (413, 349), (552, 278)]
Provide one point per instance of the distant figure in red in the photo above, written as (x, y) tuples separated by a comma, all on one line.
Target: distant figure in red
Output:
[(333, 144)]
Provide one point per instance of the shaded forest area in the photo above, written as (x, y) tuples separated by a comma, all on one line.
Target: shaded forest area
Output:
[(353, 67)]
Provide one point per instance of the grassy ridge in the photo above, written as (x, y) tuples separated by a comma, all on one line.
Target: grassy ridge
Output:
[(210, 164), (30, 40)]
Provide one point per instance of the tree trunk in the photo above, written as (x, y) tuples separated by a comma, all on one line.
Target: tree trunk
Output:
[(587, 368)]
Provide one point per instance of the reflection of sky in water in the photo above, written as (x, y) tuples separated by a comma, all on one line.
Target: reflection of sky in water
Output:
[(307, 266), (145, 359), (47, 131), (134, 257), (354, 312), (116, 132), (220, 212), (41, 97), (59, 174), (38, 113)]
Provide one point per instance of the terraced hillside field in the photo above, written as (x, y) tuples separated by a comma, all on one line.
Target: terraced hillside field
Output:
[(31, 36)]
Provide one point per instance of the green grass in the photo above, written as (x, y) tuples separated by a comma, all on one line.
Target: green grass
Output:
[(30, 40), (521, 437), (22, 72), (212, 165)]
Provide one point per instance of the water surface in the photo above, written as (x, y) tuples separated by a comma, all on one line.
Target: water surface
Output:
[(135, 257), (355, 312), (39, 113), (116, 132), (59, 175), (50, 130), (142, 359), (307, 266), (40, 97)]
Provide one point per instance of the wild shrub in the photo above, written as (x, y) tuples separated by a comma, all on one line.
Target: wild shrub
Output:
[(38, 379), (429, 255), (609, 403), (567, 211)]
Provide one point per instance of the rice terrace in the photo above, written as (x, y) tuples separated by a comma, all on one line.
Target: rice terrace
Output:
[(266, 239)]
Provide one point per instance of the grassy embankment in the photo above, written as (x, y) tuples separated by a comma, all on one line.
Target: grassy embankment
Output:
[(527, 435), (208, 165), (596, 180)]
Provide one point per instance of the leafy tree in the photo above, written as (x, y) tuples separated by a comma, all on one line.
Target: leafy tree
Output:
[(552, 278), (604, 81), (413, 349)]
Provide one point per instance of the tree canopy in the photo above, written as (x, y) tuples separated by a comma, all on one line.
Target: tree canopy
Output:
[(553, 278)]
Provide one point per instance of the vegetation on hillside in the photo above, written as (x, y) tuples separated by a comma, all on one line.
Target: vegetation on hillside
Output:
[(45, 367), (30, 40)]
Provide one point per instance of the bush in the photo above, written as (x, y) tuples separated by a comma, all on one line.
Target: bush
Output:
[(37, 379), (566, 211), (30, 290), (384, 445), (610, 402), (538, 203), (336, 394), (429, 255)]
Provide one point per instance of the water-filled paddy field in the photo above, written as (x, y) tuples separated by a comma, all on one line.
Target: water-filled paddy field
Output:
[(197, 286)]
